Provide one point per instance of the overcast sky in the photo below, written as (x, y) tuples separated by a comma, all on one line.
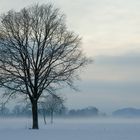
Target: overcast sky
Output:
[(111, 35)]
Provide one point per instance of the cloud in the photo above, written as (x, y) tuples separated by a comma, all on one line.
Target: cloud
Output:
[(114, 68), (130, 59), (106, 26)]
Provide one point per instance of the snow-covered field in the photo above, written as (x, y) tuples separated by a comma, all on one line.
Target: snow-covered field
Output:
[(81, 129)]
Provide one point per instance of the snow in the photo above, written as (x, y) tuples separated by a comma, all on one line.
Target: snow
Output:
[(81, 129)]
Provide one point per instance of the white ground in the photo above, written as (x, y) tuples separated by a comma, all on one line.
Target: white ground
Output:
[(18, 129)]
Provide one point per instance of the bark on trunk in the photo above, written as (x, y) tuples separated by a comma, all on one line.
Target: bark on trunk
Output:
[(35, 115)]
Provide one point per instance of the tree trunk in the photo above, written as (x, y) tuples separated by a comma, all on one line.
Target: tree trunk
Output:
[(44, 116), (51, 117), (35, 115)]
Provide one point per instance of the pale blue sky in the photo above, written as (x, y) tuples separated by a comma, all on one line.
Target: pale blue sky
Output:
[(111, 35)]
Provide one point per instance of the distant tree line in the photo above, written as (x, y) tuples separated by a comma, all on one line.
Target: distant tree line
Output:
[(89, 111), (57, 111), (17, 111)]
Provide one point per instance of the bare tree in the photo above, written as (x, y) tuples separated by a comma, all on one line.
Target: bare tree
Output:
[(38, 54), (52, 104)]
